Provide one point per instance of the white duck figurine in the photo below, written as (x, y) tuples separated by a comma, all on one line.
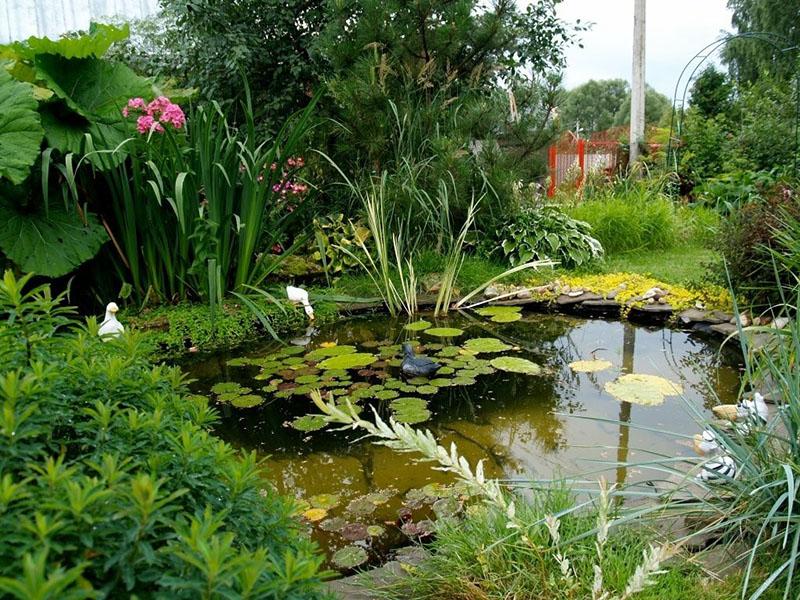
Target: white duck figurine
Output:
[(706, 442), (718, 470), (745, 410), (300, 296), (111, 327)]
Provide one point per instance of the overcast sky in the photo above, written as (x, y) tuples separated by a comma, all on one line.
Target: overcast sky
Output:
[(676, 31)]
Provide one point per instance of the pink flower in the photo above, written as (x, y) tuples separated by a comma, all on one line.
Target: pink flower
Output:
[(173, 114), (146, 124), (158, 106), (136, 103)]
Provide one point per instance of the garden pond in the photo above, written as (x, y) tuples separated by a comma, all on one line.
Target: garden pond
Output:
[(515, 389)]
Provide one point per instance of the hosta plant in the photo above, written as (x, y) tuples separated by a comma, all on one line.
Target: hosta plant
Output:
[(545, 232)]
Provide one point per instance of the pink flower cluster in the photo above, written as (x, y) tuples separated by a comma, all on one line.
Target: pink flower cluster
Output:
[(287, 186), (154, 115)]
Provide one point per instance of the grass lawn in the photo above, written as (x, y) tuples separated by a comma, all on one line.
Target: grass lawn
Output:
[(684, 264)]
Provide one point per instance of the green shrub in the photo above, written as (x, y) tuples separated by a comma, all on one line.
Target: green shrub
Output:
[(629, 222), (747, 237), (547, 233), (111, 484)]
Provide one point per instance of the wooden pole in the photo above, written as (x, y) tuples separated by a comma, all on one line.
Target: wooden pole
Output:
[(637, 80)]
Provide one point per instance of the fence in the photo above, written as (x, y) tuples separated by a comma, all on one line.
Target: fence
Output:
[(572, 158)]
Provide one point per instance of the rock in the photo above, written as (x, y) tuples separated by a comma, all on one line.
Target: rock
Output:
[(491, 292), (654, 293), (718, 316), (575, 293), (725, 329), (567, 299), (523, 294), (662, 300), (780, 322), (693, 315), (743, 318)]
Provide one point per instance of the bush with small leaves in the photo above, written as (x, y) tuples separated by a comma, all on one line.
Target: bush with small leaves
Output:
[(111, 484)]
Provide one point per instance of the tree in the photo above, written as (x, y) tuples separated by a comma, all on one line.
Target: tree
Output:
[(656, 107), (750, 59), (712, 93), (593, 105), (212, 45), (454, 79)]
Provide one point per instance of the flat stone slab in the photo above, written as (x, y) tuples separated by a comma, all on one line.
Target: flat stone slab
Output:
[(566, 300), (725, 329)]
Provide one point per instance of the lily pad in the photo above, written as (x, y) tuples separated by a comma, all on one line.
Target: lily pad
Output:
[(247, 401), (304, 379), (241, 361), (355, 360), (501, 314), (647, 390), (387, 394), (427, 390), (321, 353), (411, 417), (449, 352), (441, 382), (349, 557), (315, 514), (514, 364), (379, 497), (446, 332), (309, 423), (590, 366), (360, 507), (332, 524), (375, 531), (417, 325), (446, 507), (354, 532), (291, 351), (408, 404), (486, 345), (227, 387), (326, 501)]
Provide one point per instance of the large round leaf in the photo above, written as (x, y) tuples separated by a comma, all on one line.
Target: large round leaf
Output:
[(20, 129), (51, 244)]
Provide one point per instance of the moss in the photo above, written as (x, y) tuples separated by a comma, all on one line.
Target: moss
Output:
[(170, 331)]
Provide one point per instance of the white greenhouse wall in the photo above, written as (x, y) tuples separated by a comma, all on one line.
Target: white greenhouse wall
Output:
[(20, 19)]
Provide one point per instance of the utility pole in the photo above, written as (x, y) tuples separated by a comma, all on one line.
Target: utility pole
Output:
[(637, 80)]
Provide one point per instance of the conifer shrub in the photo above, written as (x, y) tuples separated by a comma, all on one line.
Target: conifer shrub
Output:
[(111, 484)]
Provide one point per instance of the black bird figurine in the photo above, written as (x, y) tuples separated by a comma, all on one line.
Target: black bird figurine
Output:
[(417, 366)]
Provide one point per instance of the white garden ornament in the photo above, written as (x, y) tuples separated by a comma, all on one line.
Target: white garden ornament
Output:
[(111, 327)]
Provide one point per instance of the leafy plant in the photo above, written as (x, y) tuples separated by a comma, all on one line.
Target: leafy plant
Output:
[(204, 193), (112, 484), (547, 233), (62, 94)]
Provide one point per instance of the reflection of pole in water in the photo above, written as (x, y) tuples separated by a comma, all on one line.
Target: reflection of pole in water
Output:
[(628, 351)]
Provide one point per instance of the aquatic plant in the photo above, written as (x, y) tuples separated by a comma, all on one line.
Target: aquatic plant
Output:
[(349, 557), (445, 332), (590, 366), (501, 314), (515, 364), (485, 345), (404, 438), (640, 388)]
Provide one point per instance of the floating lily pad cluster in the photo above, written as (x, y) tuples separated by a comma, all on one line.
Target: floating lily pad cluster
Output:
[(236, 394), (638, 388), (354, 531), (370, 371)]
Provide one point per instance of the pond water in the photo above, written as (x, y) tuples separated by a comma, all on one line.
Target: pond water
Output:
[(524, 426)]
